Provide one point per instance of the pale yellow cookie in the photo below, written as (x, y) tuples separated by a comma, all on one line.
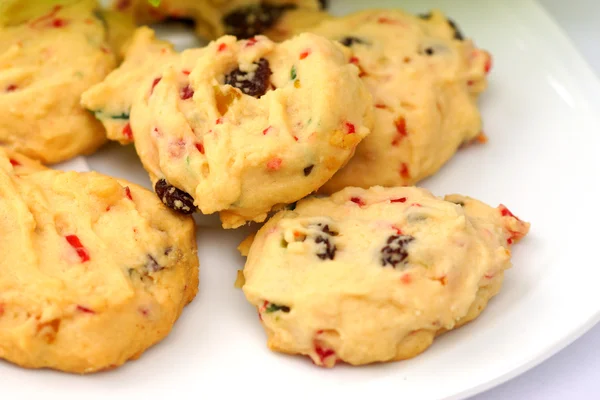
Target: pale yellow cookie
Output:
[(425, 79), (93, 270), (49, 55), (241, 127), (374, 275), (110, 100)]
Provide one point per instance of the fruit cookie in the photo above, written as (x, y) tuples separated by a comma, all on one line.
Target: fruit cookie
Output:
[(240, 127), (425, 78), (110, 100), (49, 55), (93, 270), (215, 18), (375, 275)]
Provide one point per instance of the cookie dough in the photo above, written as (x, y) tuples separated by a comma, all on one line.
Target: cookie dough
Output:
[(375, 275), (240, 127), (425, 78), (110, 100), (49, 55), (215, 18), (93, 270)]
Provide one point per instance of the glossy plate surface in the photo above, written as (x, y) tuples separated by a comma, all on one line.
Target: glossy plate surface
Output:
[(541, 117)]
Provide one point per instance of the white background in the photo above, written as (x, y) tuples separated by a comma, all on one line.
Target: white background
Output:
[(574, 373)]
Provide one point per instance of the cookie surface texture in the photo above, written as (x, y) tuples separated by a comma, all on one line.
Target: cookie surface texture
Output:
[(244, 126), (49, 55), (374, 275), (424, 82), (93, 271)]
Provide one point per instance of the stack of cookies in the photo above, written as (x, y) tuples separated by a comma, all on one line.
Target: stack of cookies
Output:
[(317, 124)]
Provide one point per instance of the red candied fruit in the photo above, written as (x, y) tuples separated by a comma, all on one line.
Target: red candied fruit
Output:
[(186, 93), (127, 132), (128, 193), (85, 310), (14, 163), (506, 212), (304, 54), (274, 164), (154, 83), (400, 200), (185, 72), (359, 201), (350, 128), (222, 47), (82, 252), (11, 88), (404, 172), (59, 23), (402, 132), (200, 147), (251, 42), (488, 64)]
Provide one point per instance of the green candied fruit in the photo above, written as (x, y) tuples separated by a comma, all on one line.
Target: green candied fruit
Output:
[(293, 73), (99, 114), (272, 307)]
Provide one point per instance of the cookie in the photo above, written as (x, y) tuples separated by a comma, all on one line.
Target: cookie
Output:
[(367, 276), (93, 271), (49, 55), (214, 18), (242, 127), (110, 100), (119, 28), (425, 78)]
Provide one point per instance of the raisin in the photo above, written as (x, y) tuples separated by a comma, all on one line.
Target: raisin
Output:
[(394, 252), (272, 307), (457, 33), (253, 83), (152, 265), (308, 170), (174, 198), (324, 4), (249, 21), (429, 51), (348, 41), (326, 249)]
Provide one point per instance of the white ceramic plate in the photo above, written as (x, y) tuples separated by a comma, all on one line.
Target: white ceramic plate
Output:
[(541, 161)]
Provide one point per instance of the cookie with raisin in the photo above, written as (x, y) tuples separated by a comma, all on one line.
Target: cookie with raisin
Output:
[(367, 276), (425, 78), (49, 55), (93, 272), (214, 18), (242, 127)]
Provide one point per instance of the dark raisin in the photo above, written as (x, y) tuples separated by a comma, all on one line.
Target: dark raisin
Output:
[(272, 307), (324, 4), (394, 252), (253, 83), (174, 198), (429, 51), (328, 231), (457, 33), (326, 249), (249, 21), (348, 41), (152, 265), (308, 170)]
